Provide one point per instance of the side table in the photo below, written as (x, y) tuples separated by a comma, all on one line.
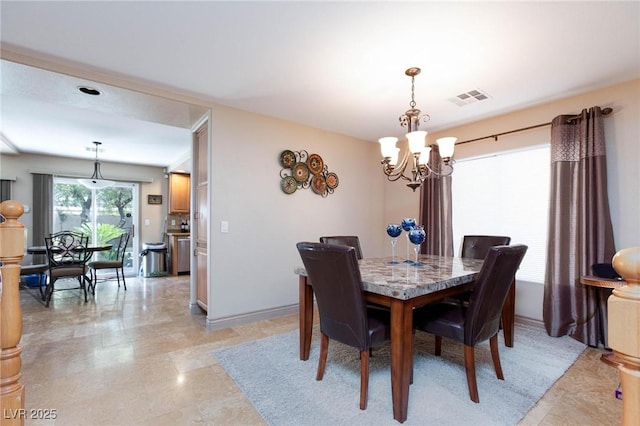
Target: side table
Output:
[(593, 281)]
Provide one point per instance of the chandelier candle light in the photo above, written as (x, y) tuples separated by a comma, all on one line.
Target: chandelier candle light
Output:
[(417, 154), (96, 181)]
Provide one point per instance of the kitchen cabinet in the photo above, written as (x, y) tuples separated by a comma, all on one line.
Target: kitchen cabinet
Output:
[(179, 192)]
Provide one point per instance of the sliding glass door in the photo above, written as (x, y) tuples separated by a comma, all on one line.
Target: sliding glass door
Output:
[(102, 214)]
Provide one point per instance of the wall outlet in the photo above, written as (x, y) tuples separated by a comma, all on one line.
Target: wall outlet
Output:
[(173, 222)]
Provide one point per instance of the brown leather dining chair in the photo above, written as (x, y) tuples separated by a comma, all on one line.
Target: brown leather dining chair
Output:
[(67, 259), (479, 320), (477, 246), (344, 240), (344, 315), (116, 262)]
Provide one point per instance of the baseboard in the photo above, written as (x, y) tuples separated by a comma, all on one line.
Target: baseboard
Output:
[(249, 317), (529, 321)]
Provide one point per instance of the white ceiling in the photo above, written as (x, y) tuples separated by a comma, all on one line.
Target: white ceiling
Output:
[(337, 66)]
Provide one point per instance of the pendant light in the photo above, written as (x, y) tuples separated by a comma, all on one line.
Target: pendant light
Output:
[(96, 181)]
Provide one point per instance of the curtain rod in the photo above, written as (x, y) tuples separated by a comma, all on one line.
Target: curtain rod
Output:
[(605, 112)]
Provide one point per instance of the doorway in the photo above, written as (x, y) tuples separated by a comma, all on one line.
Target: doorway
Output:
[(102, 214)]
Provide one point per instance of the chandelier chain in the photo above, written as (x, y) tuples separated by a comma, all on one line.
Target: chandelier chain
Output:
[(412, 104)]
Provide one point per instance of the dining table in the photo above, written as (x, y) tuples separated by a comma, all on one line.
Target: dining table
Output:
[(90, 248), (401, 287)]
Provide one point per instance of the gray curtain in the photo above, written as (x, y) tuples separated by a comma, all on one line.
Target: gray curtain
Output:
[(435, 211), (580, 232), (42, 211), (5, 190)]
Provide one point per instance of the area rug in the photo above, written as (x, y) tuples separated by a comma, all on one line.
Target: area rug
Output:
[(284, 391)]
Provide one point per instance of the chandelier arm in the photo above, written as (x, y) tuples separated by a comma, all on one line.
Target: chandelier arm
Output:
[(398, 169), (392, 174)]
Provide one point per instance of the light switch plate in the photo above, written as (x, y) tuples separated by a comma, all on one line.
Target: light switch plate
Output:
[(224, 226)]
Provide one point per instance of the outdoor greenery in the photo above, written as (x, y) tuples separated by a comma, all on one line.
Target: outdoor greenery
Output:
[(106, 232), (113, 201), (73, 210)]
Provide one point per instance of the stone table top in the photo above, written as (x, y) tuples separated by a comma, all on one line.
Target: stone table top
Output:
[(406, 281)]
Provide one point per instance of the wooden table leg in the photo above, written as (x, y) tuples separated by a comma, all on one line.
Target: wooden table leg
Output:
[(401, 356), (508, 315), (305, 316)]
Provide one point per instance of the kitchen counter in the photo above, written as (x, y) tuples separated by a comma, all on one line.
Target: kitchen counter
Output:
[(178, 233)]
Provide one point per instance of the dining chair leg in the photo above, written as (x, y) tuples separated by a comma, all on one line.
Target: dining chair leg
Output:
[(124, 283), (48, 291), (493, 343), (42, 282), (83, 285), (322, 362), (364, 378), (470, 367), (438, 350)]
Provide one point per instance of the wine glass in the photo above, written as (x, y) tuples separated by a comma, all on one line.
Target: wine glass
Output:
[(407, 224), (417, 237), (393, 230)]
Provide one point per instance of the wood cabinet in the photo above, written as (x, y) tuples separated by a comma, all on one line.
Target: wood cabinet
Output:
[(179, 191)]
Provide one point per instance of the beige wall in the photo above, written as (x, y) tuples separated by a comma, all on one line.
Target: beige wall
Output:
[(252, 265), (622, 133)]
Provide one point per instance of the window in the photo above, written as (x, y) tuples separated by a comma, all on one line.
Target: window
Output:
[(102, 214), (505, 194)]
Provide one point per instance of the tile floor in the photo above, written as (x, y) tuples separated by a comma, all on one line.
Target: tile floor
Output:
[(140, 357)]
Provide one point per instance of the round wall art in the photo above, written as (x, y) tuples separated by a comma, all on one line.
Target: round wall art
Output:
[(301, 170)]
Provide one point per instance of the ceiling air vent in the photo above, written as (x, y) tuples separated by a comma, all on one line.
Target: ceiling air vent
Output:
[(470, 97)]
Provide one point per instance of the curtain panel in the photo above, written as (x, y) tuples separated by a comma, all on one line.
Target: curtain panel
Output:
[(436, 211), (580, 231), (42, 211), (5, 190)]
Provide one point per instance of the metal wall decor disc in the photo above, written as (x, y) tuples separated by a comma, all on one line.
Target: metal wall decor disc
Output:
[(288, 185), (301, 172), (332, 180)]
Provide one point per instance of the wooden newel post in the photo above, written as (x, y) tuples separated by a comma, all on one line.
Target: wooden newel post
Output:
[(624, 331), (11, 253)]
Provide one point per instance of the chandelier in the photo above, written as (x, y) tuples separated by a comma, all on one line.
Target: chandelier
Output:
[(96, 181), (417, 154)]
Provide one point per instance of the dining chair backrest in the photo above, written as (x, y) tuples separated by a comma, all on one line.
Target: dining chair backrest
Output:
[(335, 277), (477, 246), (119, 247), (344, 240), (66, 248), (489, 292)]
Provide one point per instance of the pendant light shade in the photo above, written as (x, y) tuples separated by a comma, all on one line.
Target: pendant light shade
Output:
[(96, 181)]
